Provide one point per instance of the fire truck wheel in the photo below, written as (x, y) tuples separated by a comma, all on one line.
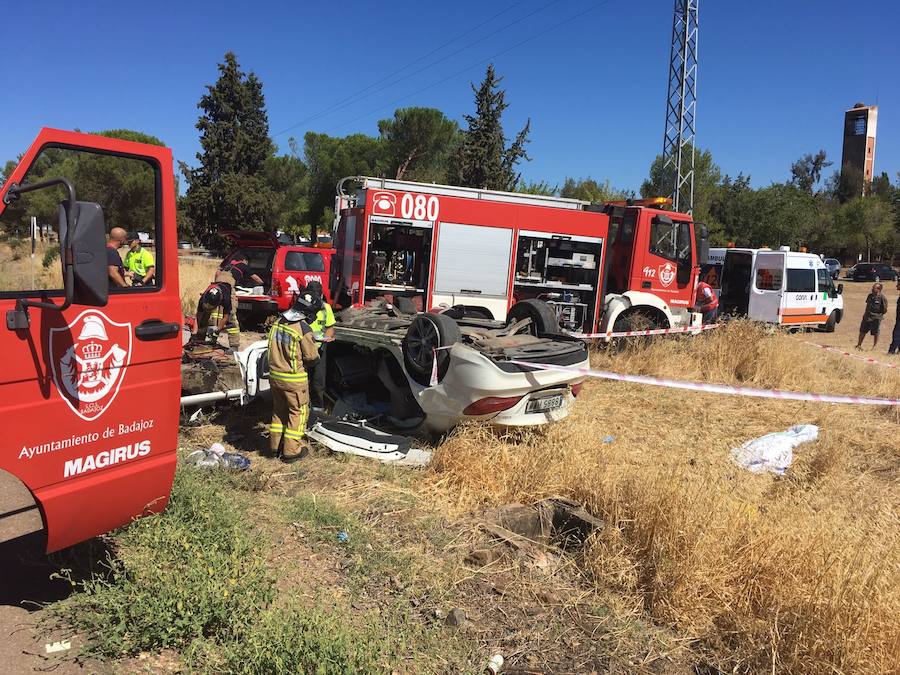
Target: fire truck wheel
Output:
[(543, 318), (426, 334), (635, 319)]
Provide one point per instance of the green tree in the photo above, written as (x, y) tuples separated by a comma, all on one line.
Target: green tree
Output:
[(783, 215), (228, 189), (124, 187), (330, 158), (417, 144), (867, 224), (707, 177), (589, 190), (287, 177), (846, 184), (732, 210), (806, 172), (483, 159), (540, 187)]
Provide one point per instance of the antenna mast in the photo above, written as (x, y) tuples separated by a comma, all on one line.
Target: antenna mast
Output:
[(681, 106)]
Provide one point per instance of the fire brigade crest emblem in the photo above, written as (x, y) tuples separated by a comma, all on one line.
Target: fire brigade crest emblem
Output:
[(666, 274), (89, 358)]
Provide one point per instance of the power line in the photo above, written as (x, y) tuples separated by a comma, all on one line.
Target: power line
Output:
[(471, 66), (360, 95)]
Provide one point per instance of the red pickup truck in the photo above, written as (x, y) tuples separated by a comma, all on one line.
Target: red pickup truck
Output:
[(284, 269)]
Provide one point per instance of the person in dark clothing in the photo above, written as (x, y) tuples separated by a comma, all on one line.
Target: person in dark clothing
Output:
[(236, 266), (322, 324), (115, 268), (876, 309), (215, 311), (895, 338)]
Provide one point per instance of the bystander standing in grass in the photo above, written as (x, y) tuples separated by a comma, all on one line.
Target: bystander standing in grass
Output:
[(876, 309), (895, 339)]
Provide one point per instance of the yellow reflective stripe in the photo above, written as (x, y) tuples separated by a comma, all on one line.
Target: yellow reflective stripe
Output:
[(233, 331), (291, 433), (287, 329), (288, 377), (304, 416), (276, 427)]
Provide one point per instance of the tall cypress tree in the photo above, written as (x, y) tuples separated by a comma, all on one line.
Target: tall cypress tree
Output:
[(483, 159), (228, 189)]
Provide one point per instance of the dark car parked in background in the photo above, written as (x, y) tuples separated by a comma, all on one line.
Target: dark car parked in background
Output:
[(872, 272), (834, 267)]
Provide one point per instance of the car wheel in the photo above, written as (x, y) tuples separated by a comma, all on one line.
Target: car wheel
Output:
[(425, 339), (832, 322), (543, 318)]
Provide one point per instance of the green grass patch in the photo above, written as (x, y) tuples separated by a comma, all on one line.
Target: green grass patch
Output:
[(301, 641), (195, 572), (325, 520)]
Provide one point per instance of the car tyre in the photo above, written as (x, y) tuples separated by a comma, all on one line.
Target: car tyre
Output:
[(427, 333), (832, 321), (543, 318)]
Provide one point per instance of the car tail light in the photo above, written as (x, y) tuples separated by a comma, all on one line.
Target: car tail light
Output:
[(576, 388), (491, 404), (276, 289)]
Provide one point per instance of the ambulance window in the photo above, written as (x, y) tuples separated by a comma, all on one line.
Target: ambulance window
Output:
[(801, 281), (126, 188), (768, 278), (298, 261), (824, 279)]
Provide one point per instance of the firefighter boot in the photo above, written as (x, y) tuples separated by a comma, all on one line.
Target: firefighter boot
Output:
[(234, 340)]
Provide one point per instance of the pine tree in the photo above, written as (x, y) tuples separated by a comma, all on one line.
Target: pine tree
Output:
[(483, 160), (228, 189)]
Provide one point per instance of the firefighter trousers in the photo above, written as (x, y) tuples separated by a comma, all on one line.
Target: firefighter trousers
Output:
[(290, 411), (232, 329)]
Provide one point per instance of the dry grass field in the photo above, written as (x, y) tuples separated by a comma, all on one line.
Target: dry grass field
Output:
[(758, 573), (746, 573)]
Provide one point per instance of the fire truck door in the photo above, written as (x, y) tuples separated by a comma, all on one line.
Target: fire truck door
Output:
[(472, 267), (89, 395), (668, 249)]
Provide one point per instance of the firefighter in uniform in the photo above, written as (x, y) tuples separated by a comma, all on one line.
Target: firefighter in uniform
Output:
[(322, 326), (292, 349), (215, 311)]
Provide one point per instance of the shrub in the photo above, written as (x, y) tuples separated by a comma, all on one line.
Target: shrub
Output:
[(50, 255)]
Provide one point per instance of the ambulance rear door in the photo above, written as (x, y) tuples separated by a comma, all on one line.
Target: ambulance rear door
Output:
[(767, 287)]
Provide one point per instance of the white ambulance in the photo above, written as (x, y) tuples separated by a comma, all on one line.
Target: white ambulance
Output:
[(782, 287)]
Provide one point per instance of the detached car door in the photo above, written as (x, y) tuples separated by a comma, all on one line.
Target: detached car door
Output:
[(89, 396)]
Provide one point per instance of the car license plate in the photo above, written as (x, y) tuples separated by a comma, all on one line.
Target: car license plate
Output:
[(245, 305), (544, 403)]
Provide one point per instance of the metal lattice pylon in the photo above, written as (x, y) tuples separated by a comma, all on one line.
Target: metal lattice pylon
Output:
[(681, 106)]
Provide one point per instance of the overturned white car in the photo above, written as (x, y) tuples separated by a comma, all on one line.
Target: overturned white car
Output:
[(429, 372)]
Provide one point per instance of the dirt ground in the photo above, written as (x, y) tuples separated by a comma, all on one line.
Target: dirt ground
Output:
[(425, 555)]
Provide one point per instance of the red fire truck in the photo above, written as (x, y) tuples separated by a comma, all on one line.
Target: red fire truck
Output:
[(91, 376), (599, 266)]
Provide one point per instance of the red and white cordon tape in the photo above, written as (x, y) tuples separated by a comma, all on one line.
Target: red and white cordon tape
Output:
[(712, 388), (649, 331), (865, 359)]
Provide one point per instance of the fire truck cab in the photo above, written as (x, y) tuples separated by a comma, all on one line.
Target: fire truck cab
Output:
[(599, 266), (91, 369)]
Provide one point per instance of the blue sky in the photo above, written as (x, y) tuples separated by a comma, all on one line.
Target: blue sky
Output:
[(775, 77)]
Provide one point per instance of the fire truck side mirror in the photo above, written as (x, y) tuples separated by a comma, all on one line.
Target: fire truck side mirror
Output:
[(88, 282), (702, 244)]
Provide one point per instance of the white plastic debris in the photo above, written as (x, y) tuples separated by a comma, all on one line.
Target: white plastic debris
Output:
[(774, 452), (58, 646)]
